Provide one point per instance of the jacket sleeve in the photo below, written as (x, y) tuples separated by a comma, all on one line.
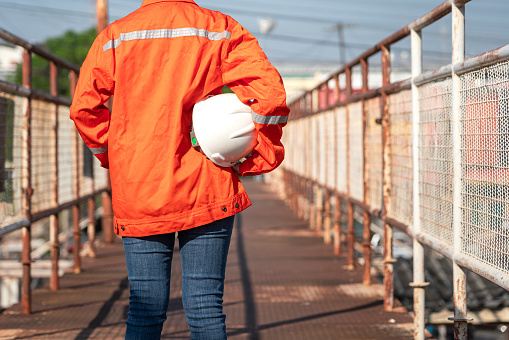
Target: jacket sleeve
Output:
[(95, 86), (248, 73)]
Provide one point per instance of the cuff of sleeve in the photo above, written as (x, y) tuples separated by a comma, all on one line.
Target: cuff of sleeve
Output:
[(249, 168)]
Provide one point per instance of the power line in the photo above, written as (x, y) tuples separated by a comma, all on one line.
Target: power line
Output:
[(44, 10), (65, 14), (324, 42)]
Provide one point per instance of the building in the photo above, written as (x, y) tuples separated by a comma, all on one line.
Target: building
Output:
[(10, 57)]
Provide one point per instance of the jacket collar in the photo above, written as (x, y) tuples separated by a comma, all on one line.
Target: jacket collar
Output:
[(148, 2)]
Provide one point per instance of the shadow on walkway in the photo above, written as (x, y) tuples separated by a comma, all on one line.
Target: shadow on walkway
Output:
[(282, 282)]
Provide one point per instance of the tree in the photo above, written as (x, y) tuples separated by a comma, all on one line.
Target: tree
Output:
[(72, 47)]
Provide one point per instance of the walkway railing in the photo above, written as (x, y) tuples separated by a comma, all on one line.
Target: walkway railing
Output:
[(427, 155), (44, 170)]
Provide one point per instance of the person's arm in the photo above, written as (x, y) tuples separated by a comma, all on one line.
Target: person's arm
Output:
[(95, 87), (248, 73)]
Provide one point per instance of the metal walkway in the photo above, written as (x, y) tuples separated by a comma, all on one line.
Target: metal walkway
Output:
[(282, 283)]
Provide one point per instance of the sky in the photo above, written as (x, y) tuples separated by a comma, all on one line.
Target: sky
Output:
[(303, 33)]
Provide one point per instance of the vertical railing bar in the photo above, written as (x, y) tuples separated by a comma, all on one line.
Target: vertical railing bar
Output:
[(337, 208), (300, 210), (337, 225), (366, 231), (311, 185), (337, 94), (459, 277), (327, 219), (386, 165), (26, 294), (55, 245), (91, 227), (310, 102), (418, 283), (319, 186), (351, 222), (305, 185)]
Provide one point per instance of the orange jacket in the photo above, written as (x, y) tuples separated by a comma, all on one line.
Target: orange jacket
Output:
[(157, 62)]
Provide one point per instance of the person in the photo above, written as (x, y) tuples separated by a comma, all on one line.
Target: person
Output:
[(156, 63)]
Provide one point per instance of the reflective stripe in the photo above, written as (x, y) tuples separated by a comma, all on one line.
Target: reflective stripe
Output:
[(166, 33), (98, 151), (273, 120)]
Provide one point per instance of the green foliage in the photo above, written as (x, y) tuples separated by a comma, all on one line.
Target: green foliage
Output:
[(226, 89), (72, 47)]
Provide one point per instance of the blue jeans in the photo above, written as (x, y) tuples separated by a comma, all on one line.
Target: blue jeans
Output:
[(203, 252)]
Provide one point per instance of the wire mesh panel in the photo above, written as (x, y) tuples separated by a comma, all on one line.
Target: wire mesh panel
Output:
[(342, 180), (65, 156), (436, 160), (355, 150), (43, 150), (400, 204), (485, 165), (374, 153), (12, 111)]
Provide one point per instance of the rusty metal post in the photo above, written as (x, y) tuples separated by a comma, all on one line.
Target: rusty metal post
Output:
[(349, 205), (337, 89), (73, 81), (388, 269), (327, 221), (366, 230), (327, 213), (366, 242), (337, 205), (388, 260), (91, 227), (55, 244), (26, 294), (351, 236), (337, 225), (460, 286), (310, 103), (319, 209), (312, 218), (76, 237), (102, 15)]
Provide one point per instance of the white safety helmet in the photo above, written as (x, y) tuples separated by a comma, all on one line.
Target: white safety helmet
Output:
[(223, 128)]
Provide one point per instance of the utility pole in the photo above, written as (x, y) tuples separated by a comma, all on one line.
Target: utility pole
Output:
[(102, 15), (107, 217), (340, 28)]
